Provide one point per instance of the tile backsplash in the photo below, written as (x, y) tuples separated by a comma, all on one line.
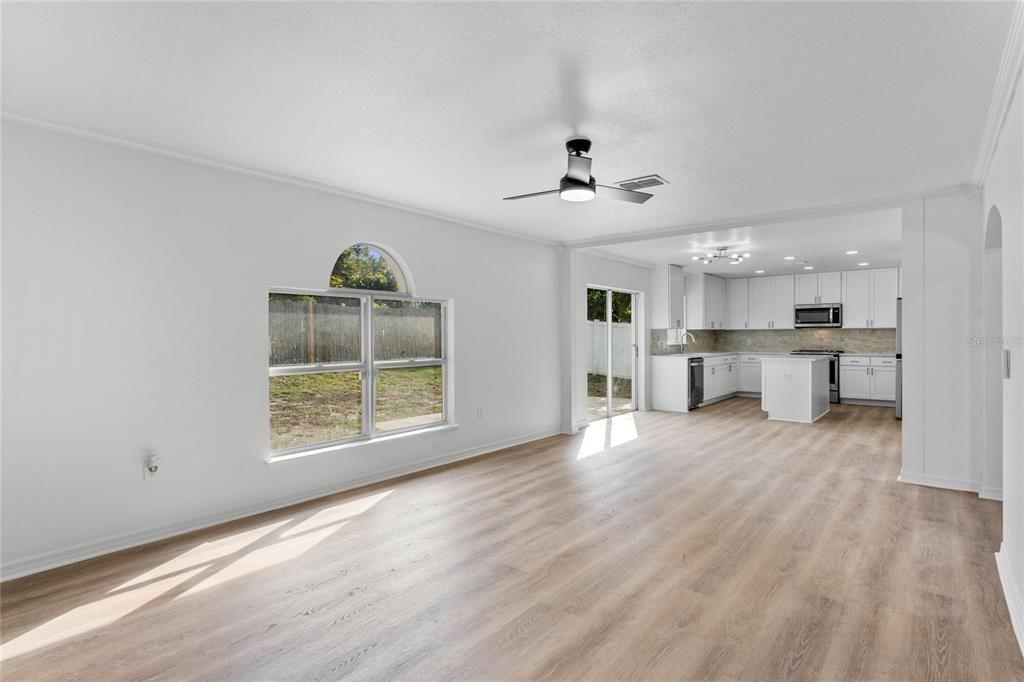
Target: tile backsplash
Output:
[(766, 340)]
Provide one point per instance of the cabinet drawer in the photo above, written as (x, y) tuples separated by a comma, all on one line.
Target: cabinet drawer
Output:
[(883, 362), (843, 360), (750, 358), (719, 360)]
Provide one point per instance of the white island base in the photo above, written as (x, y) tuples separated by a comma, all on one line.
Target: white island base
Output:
[(795, 388)]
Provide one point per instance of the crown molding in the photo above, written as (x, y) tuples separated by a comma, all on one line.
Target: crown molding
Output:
[(231, 166), (1002, 96), (823, 211), (608, 255)]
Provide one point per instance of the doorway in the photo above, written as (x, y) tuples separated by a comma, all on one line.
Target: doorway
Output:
[(611, 352), (994, 341)]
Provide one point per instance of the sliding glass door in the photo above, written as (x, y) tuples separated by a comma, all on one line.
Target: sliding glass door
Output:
[(611, 352)]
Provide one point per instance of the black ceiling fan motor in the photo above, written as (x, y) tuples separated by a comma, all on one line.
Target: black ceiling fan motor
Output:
[(577, 146)]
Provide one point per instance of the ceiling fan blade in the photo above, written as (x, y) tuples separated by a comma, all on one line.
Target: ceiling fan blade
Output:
[(629, 195), (579, 168), (534, 194)]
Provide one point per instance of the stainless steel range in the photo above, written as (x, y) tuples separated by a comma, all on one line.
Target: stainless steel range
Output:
[(833, 368)]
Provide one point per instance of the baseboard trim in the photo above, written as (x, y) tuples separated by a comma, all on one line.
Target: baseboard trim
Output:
[(45, 561), (990, 493), (1012, 595), (938, 482)]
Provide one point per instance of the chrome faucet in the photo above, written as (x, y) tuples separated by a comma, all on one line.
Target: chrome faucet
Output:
[(682, 340)]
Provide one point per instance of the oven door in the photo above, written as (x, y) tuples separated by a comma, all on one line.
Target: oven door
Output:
[(817, 316)]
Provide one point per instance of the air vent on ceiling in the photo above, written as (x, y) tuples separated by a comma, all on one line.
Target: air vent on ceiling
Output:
[(643, 182)]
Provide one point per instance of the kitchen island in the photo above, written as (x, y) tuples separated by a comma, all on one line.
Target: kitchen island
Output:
[(795, 387)]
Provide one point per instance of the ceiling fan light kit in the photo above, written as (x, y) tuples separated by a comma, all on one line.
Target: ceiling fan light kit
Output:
[(578, 185)]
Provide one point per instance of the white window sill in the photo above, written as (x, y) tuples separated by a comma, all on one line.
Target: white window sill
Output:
[(322, 450)]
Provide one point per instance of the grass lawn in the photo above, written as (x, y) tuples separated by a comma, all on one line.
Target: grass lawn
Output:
[(315, 408), (597, 386)]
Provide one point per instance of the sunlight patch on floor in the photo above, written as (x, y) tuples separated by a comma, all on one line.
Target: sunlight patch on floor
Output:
[(338, 512), (606, 434), (263, 558), (204, 554), (90, 616)]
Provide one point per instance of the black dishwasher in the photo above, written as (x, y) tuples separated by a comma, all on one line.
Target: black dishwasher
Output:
[(696, 367)]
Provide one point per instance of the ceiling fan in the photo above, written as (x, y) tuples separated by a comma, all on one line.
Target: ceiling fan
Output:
[(579, 185)]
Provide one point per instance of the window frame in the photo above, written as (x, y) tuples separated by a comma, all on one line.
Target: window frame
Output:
[(367, 367)]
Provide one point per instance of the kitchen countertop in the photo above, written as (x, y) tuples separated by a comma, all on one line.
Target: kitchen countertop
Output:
[(712, 354)]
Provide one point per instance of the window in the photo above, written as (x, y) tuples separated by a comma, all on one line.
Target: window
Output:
[(349, 364)]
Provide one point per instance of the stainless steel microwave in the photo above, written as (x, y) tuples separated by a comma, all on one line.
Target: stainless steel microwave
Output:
[(818, 315)]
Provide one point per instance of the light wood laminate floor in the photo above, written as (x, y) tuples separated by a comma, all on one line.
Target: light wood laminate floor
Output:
[(714, 545)]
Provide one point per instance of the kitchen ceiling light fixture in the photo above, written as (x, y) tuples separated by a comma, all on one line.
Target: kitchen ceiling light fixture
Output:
[(789, 258), (758, 272), (852, 253), (863, 264), (721, 253), (808, 267)]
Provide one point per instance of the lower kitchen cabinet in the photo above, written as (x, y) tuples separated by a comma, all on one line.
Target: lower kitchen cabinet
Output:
[(862, 378), (750, 377), (883, 383)]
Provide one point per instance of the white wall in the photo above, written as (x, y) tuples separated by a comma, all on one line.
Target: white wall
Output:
[(942, 387), (590, 269), (135, 315), (1004, 186)]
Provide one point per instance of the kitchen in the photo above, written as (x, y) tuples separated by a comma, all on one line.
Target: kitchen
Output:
[(750, 312)]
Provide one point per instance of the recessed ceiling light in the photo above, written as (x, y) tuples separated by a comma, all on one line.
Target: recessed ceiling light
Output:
[(808, 267), (789, 258), (734, 262), (852, 253), (746, 255), (758, 272), (863, 264), (695, 258)]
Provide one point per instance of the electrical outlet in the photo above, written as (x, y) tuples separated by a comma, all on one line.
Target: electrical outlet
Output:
[(479, 413)]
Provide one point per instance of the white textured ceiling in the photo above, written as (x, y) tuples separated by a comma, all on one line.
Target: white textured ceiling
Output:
[(745, 108), (820, 243)]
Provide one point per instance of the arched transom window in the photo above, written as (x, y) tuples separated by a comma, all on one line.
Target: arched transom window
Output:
[(357, 360)]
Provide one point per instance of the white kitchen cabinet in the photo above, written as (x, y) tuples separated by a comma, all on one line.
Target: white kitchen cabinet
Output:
[(706, 304), (806, 289), (869, 298), (883, 383), (750, 377), (668, 297), (863, 378), (854, 382), (770, 302), (739, 303), (856, 299), (830, 287), (760, 303), (824, 287), (885, 289), (782, 302), (732, 377), (713, 385)]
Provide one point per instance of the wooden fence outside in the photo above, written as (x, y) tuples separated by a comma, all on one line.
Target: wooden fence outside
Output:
[(403, 331)]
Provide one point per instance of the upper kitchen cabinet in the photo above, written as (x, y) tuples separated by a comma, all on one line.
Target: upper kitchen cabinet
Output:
[(783, 295), (825, 287), (771, 302), (706, 304), (869, 298), (668, 297), (739, 303)]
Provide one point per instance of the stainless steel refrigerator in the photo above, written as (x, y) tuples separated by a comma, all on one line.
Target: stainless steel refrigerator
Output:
[(899, 358)]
